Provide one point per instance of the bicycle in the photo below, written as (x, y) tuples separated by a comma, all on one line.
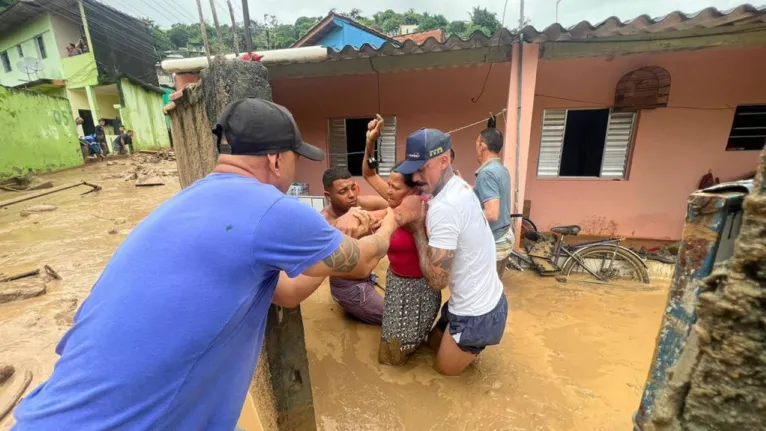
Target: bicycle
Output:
[(612, 260)]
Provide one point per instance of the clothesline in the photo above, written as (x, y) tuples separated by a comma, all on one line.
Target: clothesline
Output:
[(482, 121)]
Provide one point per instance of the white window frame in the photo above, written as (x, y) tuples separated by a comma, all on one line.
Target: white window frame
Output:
[(337, 143), (619, 140)]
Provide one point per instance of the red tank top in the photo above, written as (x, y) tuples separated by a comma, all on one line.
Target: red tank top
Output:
[(403, 255)]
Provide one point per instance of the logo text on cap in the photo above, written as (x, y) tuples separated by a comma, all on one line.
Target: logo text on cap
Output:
[(435, 152)]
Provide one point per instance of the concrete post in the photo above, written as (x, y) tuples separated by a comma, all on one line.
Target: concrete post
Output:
[(524, 102), (281, 387), (90, 91)]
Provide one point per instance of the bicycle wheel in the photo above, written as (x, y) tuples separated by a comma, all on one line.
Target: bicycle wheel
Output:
[(526, 226), (613, 264)]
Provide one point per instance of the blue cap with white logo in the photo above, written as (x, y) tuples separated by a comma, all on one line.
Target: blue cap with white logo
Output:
[(423, 145)]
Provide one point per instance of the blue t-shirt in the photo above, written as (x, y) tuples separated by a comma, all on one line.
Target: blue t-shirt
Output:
[(170, 334), (494, 182)]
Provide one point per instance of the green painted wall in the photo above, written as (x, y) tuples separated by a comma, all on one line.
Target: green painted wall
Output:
[(37, 133), (80, 70), (142, 113), (25, 36)]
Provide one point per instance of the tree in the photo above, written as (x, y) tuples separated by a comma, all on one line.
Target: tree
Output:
[(5, 4), (432, 22), (484, 21), (179, 35), (388, 21), (457, 27), (162, 42)]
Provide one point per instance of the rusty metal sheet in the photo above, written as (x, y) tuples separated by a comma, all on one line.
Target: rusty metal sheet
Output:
[(711, 226)]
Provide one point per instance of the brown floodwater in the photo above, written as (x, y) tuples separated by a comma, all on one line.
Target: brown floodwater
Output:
[(574, 357)]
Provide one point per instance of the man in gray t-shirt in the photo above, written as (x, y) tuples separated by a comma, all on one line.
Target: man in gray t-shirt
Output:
[(493, 182)]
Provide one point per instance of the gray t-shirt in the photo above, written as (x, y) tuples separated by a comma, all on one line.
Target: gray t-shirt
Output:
[(493, 181)]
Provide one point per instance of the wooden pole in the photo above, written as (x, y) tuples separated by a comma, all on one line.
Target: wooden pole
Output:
[(234, 32), (203, 30), (248, 35), (219, 45)]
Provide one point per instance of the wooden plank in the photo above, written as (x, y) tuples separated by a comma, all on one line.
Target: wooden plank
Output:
[(47, 192)]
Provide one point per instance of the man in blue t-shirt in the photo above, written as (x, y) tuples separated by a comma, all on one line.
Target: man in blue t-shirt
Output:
[(170, 334)]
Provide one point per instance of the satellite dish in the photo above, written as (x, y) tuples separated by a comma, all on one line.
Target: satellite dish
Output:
[(30, 65)]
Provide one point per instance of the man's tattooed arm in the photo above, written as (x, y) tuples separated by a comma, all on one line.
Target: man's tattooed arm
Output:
[(435, 263), (356, 258)]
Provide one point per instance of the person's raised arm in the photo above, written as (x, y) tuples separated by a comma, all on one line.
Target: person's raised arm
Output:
[(371, 175)]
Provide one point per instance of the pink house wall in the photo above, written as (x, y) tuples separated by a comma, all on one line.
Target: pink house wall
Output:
[(673, 147), (437, 98)]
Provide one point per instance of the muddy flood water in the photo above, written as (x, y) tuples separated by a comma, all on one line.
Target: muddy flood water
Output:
[(574, 357)]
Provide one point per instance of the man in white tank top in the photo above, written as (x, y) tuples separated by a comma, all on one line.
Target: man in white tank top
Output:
[(456, 250)]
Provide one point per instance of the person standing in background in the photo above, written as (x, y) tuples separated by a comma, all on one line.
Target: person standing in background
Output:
[(493, 186)]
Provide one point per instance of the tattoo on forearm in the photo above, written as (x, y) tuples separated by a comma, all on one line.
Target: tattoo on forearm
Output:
[(381, 246), (435, 263), (345, 258)]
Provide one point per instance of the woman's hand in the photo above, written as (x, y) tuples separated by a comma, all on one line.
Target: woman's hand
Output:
[(373, 129)]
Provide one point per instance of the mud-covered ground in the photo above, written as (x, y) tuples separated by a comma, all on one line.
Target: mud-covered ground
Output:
[(575, 356)]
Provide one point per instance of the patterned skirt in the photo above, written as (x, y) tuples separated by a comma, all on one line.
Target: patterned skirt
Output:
[(409, 310)]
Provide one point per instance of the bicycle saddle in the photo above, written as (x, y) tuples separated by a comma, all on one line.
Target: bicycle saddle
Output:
[(566, 230)]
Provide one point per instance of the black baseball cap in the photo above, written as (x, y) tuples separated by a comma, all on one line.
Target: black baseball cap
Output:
[(257, 127), (423, 145)]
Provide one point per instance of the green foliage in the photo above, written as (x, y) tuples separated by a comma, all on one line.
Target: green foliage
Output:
[(270, 33), (5, 4)]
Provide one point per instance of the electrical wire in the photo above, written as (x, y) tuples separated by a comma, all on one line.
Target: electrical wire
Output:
[(500, 113), (489, 70)]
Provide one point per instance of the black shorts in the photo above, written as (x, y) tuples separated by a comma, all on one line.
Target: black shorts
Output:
[(474, 333)]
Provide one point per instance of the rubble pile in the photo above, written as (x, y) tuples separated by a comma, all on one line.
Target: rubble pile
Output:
[(142, 168)]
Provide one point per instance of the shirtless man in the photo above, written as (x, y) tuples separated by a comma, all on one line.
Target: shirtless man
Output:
[(357, 296)]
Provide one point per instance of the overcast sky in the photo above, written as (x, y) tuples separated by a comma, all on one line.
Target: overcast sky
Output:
[(541, 12)]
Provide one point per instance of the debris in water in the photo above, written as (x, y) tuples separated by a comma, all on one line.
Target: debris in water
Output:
[(149, 179), (52, 272), (34, 209), (6, 371), (20, 290), (19, 275), (5, 409), (94, 188)]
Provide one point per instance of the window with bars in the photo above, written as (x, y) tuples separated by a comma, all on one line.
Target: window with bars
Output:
[(346, 142), (588, 143), (748, 129), (42, 54), (6, 61)]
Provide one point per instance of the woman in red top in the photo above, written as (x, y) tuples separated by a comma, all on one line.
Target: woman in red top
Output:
[(409, 306)]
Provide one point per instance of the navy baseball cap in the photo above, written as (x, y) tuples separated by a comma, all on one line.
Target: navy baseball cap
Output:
[(423, 145), (257, 127)]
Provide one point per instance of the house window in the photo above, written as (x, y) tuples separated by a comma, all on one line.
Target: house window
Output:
[(6, 61), (346, 142), (748, 130), (41, 47), (591, 143), (20, 51)]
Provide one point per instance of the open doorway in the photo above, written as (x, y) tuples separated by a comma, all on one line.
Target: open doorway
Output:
[(87, 126)]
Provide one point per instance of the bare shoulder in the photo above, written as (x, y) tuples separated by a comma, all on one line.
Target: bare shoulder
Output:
[(328, 215)]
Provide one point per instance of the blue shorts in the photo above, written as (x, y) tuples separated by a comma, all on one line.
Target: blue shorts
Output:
[(473, 333)]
